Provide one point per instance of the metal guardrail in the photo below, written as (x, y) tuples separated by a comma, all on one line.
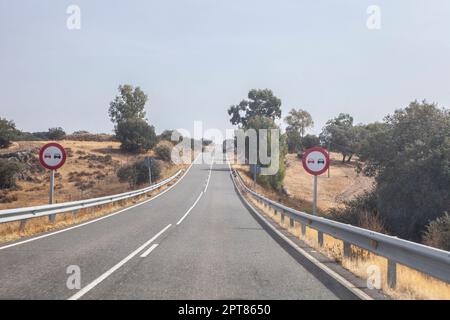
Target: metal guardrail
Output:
[(430, 261), (23, 214)]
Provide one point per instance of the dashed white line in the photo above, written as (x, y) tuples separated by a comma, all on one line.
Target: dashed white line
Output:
[(105, 275), (149, 250), (185, 215)]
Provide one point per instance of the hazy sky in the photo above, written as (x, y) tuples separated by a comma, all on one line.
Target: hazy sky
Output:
[(194, 58)]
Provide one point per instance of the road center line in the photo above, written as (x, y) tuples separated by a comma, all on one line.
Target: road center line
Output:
[(185, 215), (149, 250), (105, 275)]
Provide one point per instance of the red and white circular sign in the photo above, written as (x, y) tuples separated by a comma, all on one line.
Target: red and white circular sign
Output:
[(316, 161), (52, 156)]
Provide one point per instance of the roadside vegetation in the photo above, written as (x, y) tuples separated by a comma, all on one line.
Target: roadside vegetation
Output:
[(402, 165)]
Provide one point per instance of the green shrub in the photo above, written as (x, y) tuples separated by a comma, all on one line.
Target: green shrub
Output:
[(7, 132), (56, 133), (8, 173), (164, 150), (360, 211), (437, 233), (137, 173)]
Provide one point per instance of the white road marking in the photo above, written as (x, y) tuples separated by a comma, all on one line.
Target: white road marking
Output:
[(185, 215), (209, 175), (149, 250), (105, 275), (101, 218)]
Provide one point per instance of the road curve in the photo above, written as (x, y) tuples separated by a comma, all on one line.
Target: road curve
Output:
[(196, 241)]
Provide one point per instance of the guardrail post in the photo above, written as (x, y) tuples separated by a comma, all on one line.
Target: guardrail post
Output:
[(303, 229), (320, 238), (392, 274), (347, 250), (22, 225), (51, 218), (282, 217), (291, 222)]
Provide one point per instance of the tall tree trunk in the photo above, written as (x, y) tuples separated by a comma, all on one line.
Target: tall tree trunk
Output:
[(349, 158), (343, 158)]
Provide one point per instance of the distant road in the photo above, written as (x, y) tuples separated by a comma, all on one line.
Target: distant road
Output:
[(196, 241)]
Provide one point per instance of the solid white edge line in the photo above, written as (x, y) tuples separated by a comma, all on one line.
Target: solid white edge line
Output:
[(347, 284), (105, 275), (185, 215), (149, 250), (101, 218)]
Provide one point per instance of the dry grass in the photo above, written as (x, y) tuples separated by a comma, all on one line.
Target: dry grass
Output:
[(411, 284), (344, 183)]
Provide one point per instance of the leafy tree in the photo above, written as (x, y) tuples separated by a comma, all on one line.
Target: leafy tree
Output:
[(299, 121), (129, 104), (339, 135), (135, 135), (7, 132), (56, 133), (410, 160), (259, 103), (260, 122), (294, 141), (310, 141)]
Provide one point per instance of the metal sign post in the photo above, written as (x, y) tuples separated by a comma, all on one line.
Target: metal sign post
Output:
[(148, 162), (315, 197), (52, 187)]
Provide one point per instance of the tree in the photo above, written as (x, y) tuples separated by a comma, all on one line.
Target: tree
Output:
[(257, 123), (135, 135), (56, 133), (129, 104), (410, 160), (310, 141), (259, 103), (7, 132), (339, 135), (299, 121), (294, 141)]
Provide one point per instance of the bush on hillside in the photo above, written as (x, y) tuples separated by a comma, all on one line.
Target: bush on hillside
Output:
[(8, 173), (137, 173), (164, 150), (7, 132), (437, 233)]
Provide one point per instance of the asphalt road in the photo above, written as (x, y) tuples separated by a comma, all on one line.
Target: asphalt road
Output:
[(196, 241)]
